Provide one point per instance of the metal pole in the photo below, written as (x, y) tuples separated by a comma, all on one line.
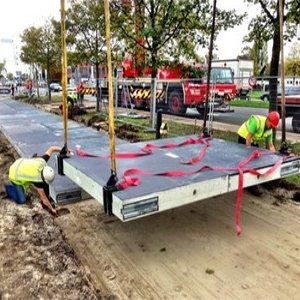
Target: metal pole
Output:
[(283, 127), (110, 91), (64, 70), (211, 45), (158, 123)]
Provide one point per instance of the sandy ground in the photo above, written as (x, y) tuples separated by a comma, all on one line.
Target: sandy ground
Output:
[(188, 253)]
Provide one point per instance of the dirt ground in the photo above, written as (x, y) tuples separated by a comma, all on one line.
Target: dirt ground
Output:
[(36, 261), (190, 252)]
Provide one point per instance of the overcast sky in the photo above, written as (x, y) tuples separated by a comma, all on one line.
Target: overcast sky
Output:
[(16, 15)]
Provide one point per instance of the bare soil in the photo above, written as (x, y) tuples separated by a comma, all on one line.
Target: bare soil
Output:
[(191, 252), (36, 261)]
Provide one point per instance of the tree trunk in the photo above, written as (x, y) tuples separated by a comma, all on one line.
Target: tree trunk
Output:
[(274, 68), (97, 88), (48, 79), (37, 82)]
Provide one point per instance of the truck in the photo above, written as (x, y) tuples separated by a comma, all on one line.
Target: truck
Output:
[(178, 87), (241, 68)]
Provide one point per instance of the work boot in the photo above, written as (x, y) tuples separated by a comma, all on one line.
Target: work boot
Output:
[(255, 190)]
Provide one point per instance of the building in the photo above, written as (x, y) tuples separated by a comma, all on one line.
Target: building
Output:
[(8, 54)]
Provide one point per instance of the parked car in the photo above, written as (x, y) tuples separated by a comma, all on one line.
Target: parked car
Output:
[(71, 87), (265, 96), (289, 90), (292, 106), (55, 87), (292, 91)]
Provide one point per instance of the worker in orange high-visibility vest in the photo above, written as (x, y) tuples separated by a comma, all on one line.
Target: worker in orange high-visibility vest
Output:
[(80, 94)]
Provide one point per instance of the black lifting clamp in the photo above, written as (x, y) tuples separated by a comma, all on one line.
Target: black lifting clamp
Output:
[(108, 190), (285, 149), (60, 159), (206, 133)]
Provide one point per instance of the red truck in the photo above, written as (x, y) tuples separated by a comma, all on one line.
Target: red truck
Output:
[(178, 88)]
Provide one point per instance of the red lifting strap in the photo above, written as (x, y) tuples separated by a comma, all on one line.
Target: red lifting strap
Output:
[(189, 141), (148, 149)]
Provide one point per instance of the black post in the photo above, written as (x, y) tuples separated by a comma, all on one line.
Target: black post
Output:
[(60, 159), (108, 190), (158, 123)]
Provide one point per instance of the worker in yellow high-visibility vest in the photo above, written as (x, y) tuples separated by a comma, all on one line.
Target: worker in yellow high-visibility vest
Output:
[(258, 128), (71, 99), (27, 171)]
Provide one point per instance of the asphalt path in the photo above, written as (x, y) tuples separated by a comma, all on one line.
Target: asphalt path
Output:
[(234, 118), (238, 116)]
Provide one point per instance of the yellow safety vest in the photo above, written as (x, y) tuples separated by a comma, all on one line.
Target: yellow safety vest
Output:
[(24, 171), (260, 133)]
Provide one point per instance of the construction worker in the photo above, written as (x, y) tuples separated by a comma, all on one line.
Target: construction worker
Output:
[(258, 128), (80, 92), (71, 99), (26, 171), (254, 130)]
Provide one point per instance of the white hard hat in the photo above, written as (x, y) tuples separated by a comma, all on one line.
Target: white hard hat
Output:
[(48, 174)]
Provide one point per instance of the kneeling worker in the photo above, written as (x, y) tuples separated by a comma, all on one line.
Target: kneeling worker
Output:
[(26, 171), (258, 128)]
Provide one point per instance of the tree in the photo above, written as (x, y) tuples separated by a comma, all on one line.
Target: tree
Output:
[(265, 27), (156, 30), (10, 76), (160, 29), (2, 68), (247, 53), (41, 48), (260, 56), (86, 33), (50, 54), (30, 50), (258, 53), (292, 63)]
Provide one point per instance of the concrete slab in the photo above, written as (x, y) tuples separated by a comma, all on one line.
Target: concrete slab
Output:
[(159, 193), (31, 131)]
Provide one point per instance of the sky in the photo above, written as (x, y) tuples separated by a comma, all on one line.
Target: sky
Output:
[(17, 15), (229, 42)]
